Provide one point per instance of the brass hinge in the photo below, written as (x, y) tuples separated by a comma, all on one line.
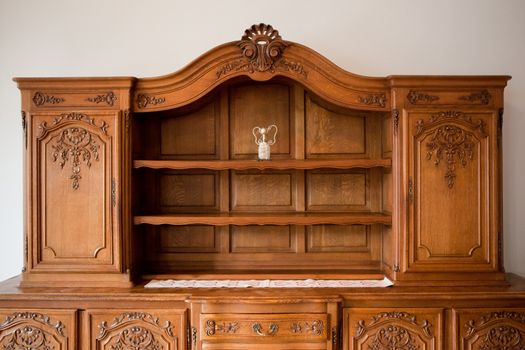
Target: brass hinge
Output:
[(113, 192), (395, 120), (194, 337), (396, 268), (24, 128), (410, 190)]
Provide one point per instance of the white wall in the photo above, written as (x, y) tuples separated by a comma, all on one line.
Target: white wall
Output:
[(368, 37)]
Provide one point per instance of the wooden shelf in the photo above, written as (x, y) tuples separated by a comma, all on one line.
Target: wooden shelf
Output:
[(222, 219), (269, 164)]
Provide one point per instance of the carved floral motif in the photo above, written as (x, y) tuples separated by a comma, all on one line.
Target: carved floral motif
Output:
[(144, 100), (315, 327), (262, 50), (131, 317), (472, 325), (481, 97), (78, 145), (503, 338), (108, 98), (384, 316), (395, 120), (28, 338), (213, 327), (453, 144), (33, 316), (393, 337), (416, 97), (136, 338), (40, 99), (373, 99)]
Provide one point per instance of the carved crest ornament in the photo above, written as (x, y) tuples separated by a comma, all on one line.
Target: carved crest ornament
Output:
[(262, 50)]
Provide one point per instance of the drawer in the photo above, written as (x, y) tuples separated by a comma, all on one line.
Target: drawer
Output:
[(383, 328), (264, 327), (144, 329), (38, 329), (477, 329)]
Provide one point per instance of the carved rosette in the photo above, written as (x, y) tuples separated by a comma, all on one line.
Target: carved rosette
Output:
[(136, 338), (451, 142), (418, 97), (108, 98), (262, 51), (480, 97), (144, 100), (213, 327), (315, 327), (40, 99), (393, 337)]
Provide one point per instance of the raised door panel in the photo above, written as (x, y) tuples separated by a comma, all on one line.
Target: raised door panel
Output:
[(451, 191), (387, 329), (74, 192), (145, 330), (38, 330), (489, 329)]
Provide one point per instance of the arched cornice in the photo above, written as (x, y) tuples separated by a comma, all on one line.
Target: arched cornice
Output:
[(261, 55)]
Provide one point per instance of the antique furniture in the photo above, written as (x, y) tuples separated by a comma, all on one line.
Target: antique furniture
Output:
[(128, 180)]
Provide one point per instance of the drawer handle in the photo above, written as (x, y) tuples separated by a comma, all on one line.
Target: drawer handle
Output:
[(257, 328)]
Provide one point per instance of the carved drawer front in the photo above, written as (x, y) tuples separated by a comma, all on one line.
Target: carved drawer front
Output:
[(133, 330), (393, 329), (38, 330), (264, 327), (490, 329)]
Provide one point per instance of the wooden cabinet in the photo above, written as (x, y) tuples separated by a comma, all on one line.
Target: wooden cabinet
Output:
[(148, 329), (478, 329), (129, 180), (393, 329), (38, 329)]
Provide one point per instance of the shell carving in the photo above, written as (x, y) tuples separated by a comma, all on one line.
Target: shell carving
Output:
[(262, 46)]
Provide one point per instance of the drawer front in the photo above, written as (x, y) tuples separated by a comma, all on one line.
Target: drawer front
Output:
[(481, 329), (38, 329), (393, 329), (146, 329), (264, 327)]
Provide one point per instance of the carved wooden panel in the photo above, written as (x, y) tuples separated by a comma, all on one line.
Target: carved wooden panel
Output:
[(145, 330), (337, 190), (38, 330), (260, 105), (262, 239), (480, 97), (333, 132), (268, 190), (76, 192), (191, 134), (387, 329), (452, 174), (188, 191), (338, 238), (264, 327), (490, 329)]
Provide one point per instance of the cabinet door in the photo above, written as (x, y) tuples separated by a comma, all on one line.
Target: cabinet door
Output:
[(38, 329), (452, 191), (384, 329), (73, 189), (494, 329), (145, 330)]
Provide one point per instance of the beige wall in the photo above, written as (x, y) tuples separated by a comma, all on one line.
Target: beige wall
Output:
[(368, 37)]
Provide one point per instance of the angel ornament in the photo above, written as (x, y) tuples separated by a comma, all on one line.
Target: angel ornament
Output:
[(261, 139)]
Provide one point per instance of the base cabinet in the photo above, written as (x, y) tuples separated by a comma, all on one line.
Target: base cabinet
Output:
[(494, 329), (38, 329), (400, 329), (134, 330)]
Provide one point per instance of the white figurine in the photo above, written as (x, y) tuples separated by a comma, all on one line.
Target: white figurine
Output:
[(260, 140)]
